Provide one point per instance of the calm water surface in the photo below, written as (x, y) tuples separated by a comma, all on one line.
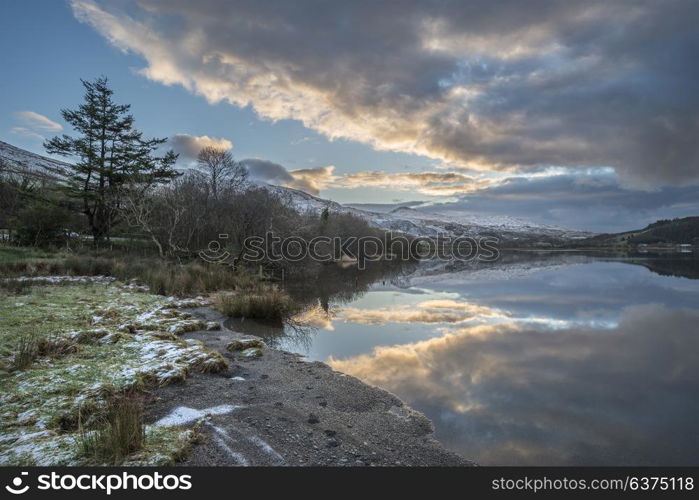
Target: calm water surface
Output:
[(538, 360)]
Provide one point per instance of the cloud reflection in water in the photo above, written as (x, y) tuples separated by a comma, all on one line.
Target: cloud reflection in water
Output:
[(527, 394)]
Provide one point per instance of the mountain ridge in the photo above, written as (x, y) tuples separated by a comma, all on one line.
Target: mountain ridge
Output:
[(403, 219), (22, 158)]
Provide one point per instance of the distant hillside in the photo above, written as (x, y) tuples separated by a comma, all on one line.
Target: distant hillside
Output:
[(21, 159), (685, 230), (673, 232), (512, 231)]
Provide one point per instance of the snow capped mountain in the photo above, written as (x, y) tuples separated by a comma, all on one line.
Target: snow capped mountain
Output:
[(418, 222), (18, 158), (492, 222), (300, 200), (403, 218), (508, 266)]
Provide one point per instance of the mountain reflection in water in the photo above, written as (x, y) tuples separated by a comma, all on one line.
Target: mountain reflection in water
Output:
[(541, 359)]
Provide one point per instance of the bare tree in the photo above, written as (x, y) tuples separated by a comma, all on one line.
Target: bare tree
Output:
[(171, 215), (222, 171)]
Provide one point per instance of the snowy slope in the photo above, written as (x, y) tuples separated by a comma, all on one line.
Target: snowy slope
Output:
[(403, 219), (492, 222), (21, 158), (421, 223), (508, 266)]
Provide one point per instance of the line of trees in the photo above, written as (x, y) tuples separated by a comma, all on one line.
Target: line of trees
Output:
[(118, 182)]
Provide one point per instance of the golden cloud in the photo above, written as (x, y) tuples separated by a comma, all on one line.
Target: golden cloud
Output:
[(429, 311)]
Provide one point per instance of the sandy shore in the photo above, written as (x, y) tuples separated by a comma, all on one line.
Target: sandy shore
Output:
[(277, 409)]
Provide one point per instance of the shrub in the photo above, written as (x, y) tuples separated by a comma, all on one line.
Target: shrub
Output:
[(55, 345), (42, 225), (25, 352), (265, 302), (162, 277), (120, 432)]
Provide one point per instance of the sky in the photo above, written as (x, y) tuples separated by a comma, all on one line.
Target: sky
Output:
[(579, 114)]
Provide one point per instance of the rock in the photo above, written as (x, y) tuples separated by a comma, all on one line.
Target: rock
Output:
[(252, 352), (313, 419), (186, 325), (243, 344), (212, 326), (191, 303)]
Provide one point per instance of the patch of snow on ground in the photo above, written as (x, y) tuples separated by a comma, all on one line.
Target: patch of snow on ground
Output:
[(64, 279), (184, 415)]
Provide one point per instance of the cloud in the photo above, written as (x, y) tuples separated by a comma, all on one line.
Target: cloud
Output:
[(507, 394), (27, 133), (35, 121), (188, 146), (427, 183), (312, 180), (309, 180), (302, 140), (34, 125), (507, 86), (315, 317), (592, 199), (429, 311), (588, 199)]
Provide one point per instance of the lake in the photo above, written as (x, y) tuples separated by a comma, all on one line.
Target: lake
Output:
[(537, 359)]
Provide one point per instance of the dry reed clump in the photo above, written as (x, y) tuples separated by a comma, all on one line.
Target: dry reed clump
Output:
[(117, 433), (265, 302)]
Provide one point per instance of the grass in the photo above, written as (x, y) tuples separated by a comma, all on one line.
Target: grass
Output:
[(120, 432), (9, 254), (266, 302), (71, 355), (15, 287), (25, 351), (162, 277), (89, 344)]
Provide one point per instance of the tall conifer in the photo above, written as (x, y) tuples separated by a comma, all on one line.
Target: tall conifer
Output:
[(109, 153)]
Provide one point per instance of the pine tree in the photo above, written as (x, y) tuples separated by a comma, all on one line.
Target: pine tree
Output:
[(110, 154)]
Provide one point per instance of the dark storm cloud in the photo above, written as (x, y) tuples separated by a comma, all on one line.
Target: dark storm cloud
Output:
[(593, 201), (310, 180), (267, 171), (507, 85)]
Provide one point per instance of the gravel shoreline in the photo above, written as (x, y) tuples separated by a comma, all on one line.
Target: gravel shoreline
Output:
[(277, 409)]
